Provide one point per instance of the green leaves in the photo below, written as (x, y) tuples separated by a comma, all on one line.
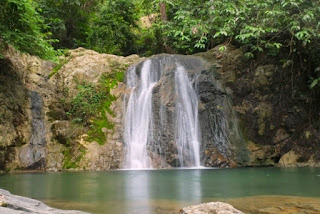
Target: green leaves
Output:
[(256, 25), (21, 26), (112, 28), (314, 83)]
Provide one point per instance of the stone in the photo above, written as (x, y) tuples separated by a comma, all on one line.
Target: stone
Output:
[(264, 112), (18, 205), (261, 155), (263, 75), (288, 159), (211, 208)]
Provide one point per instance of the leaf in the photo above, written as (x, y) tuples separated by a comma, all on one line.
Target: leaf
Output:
[(222, 48), (248, 55), (314, 83)]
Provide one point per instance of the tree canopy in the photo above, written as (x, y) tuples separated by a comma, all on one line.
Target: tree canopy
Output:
[(21, 26), (290, 27)]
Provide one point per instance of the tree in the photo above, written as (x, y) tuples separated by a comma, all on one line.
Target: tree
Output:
[(21, 26), (112, 28), (68, 20)]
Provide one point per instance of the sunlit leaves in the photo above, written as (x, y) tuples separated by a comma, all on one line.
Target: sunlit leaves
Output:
[(258, 25), (21, 25)]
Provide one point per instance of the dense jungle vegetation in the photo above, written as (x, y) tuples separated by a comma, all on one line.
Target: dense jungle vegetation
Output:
[(287, 29)]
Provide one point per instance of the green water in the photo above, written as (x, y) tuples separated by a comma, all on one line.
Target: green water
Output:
[(159, 191)]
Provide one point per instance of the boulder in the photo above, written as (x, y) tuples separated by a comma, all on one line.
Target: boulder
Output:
[(211, 208), (288, 159), (14, 204)]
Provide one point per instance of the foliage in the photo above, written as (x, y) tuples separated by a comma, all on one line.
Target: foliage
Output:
[(71, 160), (108, 82), (21, 25), (257, 24), (62, 61), (68, 20), (111, 29), (288, 26), (86, 103), (91, 104)]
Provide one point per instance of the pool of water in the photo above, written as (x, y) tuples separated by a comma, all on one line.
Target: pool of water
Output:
[(159, 191)]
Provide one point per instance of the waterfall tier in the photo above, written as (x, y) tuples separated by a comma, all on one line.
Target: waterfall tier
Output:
[(178, 114), (158, 114)]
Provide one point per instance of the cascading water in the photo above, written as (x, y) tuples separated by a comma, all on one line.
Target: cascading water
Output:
[(139, 116), (32, 155), (187, 133), (144, 135)]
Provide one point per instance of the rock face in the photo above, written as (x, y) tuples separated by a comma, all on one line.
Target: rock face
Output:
[(247, 115), (13, 204), (211, 208), (22, 126), (86, 66), (271, 107), (35, 129)]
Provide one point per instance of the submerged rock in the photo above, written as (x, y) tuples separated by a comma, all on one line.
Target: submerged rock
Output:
[(14, 204), (211, 208)]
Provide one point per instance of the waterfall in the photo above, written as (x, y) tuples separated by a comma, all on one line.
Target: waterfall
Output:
[(32, 155), (146, 127), (187, 133), (139, 116)]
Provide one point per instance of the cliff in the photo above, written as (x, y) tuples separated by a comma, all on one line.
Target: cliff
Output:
[(69, 115)]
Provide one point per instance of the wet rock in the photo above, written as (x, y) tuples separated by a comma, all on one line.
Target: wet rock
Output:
[(264, 112), (294, 159), (261, 155), (13, 204), (219, 125), (217, 121), (211, 208)]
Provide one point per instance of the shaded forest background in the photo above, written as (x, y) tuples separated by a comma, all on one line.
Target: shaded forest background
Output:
[(286, 29)]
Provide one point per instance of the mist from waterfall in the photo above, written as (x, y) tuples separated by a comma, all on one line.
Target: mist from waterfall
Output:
[(139, 127)]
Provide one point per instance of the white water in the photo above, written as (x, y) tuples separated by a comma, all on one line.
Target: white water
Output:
[(138, 116), (187, 133), (139, 122)]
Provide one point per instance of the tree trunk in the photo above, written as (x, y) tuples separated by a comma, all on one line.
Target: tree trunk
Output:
[(163, 12), (164, 18)]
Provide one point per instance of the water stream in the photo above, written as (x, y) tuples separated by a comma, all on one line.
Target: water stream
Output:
[(32, 155)]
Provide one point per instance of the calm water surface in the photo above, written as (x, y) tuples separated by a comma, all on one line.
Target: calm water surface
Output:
[(161, 191)]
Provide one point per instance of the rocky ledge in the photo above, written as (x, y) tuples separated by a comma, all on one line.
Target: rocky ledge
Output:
[(210, 208), (13, 204)]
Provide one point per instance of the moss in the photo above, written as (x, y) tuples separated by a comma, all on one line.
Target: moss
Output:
[(71, 160), (97, 132), (92, 103)]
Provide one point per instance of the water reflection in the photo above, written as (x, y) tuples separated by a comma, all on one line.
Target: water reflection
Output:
[(143, 188), (189, 187), (155, 191), (137, 192)]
